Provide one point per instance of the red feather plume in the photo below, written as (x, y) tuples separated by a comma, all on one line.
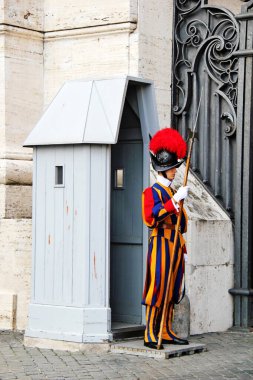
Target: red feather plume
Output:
[(170, 140)]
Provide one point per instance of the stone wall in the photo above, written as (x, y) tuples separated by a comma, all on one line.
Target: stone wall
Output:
[(44, 43), (15, 283), (155, 51), (21, 104), (88, 41)]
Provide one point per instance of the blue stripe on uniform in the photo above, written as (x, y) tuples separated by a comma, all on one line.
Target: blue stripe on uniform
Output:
[(173, 219), (183, 222), (147, 279), (157, 270), (165, 195), (178, 281), (148, 324), (157, 205), (167, 266)]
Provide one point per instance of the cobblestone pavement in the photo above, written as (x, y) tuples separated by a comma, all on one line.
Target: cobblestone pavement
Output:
[(229, 356)]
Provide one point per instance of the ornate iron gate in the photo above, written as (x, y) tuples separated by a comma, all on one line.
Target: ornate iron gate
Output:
[(212, 54)]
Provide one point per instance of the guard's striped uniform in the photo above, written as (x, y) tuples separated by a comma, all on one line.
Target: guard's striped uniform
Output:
[(160, 214)]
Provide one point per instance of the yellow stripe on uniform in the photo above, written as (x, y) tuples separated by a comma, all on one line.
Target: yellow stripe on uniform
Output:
[(149, 335)]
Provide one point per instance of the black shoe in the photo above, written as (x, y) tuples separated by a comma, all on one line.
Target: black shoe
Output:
[(175, 341), (153, 345)]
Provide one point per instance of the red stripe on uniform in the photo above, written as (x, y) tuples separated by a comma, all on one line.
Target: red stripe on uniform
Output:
[(169, 206), (147, 207)]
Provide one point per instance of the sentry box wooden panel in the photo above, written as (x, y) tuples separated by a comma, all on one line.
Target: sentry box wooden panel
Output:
[(89, 246)]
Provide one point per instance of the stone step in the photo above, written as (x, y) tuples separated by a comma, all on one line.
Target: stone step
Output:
[(136, 347), (122, 331)]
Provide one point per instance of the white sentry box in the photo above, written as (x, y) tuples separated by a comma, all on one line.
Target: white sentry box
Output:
[(91, 163)]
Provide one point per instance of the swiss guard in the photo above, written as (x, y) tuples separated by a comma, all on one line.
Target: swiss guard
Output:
[(160, 209)]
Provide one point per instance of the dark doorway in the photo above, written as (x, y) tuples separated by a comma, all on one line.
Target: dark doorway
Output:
[(126, 221)]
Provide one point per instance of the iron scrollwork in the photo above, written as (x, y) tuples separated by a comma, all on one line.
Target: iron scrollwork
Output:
[(205, 33), (230, 124)]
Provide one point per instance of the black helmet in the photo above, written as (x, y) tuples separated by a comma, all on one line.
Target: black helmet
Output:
[(167, 149), (164, 160)]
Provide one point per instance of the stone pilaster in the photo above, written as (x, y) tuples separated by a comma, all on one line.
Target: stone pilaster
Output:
[(21, 103)]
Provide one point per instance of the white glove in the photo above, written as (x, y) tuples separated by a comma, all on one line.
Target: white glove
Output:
[(181, 193)]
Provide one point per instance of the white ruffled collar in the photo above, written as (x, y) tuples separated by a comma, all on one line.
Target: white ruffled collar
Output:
[(164, 181)]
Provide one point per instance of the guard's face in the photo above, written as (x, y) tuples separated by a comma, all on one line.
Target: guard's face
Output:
[(171, 173)]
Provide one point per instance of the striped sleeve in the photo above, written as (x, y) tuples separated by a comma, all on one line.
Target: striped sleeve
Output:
[(154, 210), (147, 207)]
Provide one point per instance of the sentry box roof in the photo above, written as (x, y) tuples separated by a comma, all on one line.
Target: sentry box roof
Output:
[(89, 111)]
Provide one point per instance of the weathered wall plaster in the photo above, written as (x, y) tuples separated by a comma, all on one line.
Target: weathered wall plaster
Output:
[(27, 14), (155, 51), (21, 104), (84, 13), (15, 268)]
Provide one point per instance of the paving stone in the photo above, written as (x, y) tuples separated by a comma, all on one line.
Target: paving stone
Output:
[(229, 356)]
